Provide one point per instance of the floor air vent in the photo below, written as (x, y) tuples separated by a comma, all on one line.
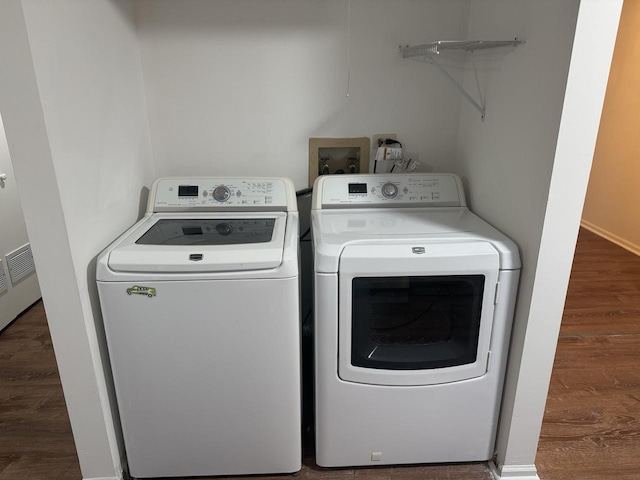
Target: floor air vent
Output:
[(20, 263), (3, 278)]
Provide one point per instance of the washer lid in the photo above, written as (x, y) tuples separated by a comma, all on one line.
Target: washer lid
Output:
[(209, 231), (190, 243)]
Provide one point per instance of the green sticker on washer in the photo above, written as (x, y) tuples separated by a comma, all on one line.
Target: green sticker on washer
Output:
[(139, 290)]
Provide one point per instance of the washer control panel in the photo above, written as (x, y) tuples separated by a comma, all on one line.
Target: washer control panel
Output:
[(219, 194), (402, 190)]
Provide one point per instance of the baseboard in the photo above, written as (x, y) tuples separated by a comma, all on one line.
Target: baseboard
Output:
[(514, 472), (612, 237), (102, 478), (119, 477)]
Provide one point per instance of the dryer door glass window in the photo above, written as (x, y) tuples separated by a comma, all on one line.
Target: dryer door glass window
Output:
[(411, 323)]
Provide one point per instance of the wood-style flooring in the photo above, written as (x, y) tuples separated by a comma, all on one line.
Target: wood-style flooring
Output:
[(591, 428), (35, 434), (592, 421)]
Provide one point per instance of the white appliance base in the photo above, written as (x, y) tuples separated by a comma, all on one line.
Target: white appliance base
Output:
[(207, 380), (362, 425)]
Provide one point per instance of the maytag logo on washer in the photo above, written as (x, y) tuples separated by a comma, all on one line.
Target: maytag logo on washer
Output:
[(418, 250)]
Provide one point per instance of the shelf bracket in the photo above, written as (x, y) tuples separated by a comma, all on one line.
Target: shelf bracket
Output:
[(458, 86), (427, 53)]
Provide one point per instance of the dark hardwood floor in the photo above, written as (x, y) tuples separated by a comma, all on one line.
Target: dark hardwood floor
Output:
[(35, 435), (592, 421), (591, 428)]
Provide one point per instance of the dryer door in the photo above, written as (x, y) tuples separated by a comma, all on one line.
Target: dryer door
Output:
[(416, 314)]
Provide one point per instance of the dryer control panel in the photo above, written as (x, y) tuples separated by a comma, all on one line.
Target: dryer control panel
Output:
[(221, 193), (412, 190)]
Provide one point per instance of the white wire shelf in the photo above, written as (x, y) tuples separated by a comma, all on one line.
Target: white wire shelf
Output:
[(429, 51), (442, 46)]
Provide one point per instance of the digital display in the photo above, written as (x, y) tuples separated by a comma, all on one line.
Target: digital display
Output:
[(357, 188), (187, 190)]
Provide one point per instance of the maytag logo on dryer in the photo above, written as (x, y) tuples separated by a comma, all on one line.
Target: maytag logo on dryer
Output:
[(418, 250)]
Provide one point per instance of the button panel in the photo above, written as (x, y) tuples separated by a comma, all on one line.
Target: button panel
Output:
[(339, 191), (210, 193)]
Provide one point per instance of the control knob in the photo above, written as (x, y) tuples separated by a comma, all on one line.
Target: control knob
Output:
[(221, 193), (224, 229), (389, 190)]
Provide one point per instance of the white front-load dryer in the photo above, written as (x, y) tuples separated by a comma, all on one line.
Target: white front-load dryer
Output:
[(414, 299), (201, 315)]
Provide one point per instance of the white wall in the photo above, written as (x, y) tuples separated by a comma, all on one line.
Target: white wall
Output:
[(611, 205), (73, 102), (509, 161), (238, 87)]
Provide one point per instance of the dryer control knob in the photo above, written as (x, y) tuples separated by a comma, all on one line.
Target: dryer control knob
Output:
[(389, 190), (221, 193)]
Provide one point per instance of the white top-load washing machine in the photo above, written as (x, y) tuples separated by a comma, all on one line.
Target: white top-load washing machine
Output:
[(414, 299), (201, 314)]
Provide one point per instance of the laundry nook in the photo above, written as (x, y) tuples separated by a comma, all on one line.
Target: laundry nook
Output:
[(298, 237)]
